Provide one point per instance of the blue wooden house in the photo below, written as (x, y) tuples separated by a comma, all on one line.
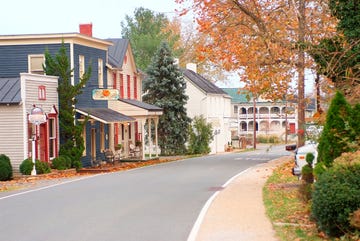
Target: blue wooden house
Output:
[(25, 54)]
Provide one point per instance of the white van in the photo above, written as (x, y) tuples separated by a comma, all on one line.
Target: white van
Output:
[(300, 157)]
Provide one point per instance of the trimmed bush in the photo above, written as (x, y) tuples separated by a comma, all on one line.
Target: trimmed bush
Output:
[(42, 167), (334, 138), (5, 168), (336, 196), (26, 166), (61, 163)]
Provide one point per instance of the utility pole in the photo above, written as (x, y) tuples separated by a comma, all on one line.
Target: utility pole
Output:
[(254, 121)]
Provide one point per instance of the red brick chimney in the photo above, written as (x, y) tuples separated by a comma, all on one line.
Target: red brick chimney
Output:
[(86, 29)]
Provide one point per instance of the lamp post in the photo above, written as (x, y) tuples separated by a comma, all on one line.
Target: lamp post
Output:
[(36, 117)]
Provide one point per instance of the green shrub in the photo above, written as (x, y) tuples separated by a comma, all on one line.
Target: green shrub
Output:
[(61, 163), (334, 138), (26, 166), (5, 168), (42, 167), (336, 196)]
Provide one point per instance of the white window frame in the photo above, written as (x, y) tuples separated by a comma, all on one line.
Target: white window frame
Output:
[(36, 69), (52, 139), (100, 73)]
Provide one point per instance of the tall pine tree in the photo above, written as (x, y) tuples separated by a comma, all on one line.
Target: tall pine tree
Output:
[(71, 141), (165, 87)]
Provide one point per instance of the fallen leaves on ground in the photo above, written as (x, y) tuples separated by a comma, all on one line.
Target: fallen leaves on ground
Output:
[(23, 182)]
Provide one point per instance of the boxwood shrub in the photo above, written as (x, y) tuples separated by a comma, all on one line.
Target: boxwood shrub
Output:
[(61, 162), (6, 172), (41, 167), (336, 196)]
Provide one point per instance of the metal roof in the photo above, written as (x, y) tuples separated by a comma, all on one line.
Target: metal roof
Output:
[(117, 51), (142, 105), (238, 95), (10, 91), (202, 83), (105, 115)]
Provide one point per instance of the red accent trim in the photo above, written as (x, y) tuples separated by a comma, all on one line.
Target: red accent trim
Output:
[(136, 132), (128, 87), (121, 87), (42, 92), (135, 88), (114, 80)]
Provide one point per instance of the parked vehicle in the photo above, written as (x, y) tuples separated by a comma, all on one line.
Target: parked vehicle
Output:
[(300, 157)]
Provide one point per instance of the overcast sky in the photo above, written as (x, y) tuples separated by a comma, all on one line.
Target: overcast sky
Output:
[(63, 16)]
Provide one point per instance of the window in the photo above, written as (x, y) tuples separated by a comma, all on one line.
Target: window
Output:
[(100, 73), (81, 66), (52, 138), (36, 64), (235, 109), (42, 92)]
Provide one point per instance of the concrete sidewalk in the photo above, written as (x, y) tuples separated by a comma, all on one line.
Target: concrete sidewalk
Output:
[(237, 212)]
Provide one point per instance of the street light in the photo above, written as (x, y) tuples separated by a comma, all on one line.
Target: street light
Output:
[(36, 117)]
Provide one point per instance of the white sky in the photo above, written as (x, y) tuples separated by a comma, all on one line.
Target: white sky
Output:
[(64, 16)]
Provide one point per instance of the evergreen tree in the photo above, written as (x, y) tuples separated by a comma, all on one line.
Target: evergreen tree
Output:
[(71, 141), (337, 131), (355, 127), (165, 87), (200, 136)]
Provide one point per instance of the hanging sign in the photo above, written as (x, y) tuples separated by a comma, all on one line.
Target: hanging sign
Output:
[(105, 94)]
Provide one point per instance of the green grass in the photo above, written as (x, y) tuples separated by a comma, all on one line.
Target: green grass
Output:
[(286, 208)]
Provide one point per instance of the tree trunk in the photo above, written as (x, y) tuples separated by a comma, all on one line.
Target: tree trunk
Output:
[(301, 73)]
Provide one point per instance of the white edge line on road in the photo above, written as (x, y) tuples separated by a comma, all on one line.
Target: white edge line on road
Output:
[(50, 186), (195, 229)]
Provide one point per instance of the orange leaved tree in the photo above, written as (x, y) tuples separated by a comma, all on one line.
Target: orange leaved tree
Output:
[(264, 40)]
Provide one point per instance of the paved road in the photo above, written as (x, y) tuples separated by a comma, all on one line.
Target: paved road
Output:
[(156, 203)]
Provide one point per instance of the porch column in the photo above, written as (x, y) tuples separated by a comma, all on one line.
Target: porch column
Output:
[(149, 138), (156, 120), (111, 136), (142, 123)]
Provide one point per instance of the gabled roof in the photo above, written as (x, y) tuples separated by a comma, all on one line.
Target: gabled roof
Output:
[(142, 105), (117, 51), (202, 83), (10, 91)]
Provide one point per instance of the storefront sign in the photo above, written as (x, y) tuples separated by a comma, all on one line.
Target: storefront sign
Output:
[(105, 94)]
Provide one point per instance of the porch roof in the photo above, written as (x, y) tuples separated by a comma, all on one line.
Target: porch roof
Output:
[(105, 115), (137, 108), (10, 91)]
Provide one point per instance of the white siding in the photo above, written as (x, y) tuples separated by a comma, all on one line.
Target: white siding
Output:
[(11, 134)]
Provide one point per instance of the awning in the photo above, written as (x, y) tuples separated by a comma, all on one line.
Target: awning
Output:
[(105, 115)]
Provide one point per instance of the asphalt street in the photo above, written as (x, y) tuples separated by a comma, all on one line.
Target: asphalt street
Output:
[(155, 203)]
